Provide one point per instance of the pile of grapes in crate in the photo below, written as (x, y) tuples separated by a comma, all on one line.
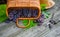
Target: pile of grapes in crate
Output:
[(13, 14)]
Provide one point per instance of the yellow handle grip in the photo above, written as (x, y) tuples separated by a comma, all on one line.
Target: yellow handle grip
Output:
[(22, 26)]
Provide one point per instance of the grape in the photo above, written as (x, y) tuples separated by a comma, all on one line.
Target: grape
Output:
[(42, 16), (14, 18), (11, 16), (41, 19), (25, 12), (14, 11), (19, 13), (7, 21), (35, 13), (29, 14)]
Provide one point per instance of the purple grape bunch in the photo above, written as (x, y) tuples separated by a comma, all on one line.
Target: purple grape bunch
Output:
[(13, 15), (20, 13), (40, 20)]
